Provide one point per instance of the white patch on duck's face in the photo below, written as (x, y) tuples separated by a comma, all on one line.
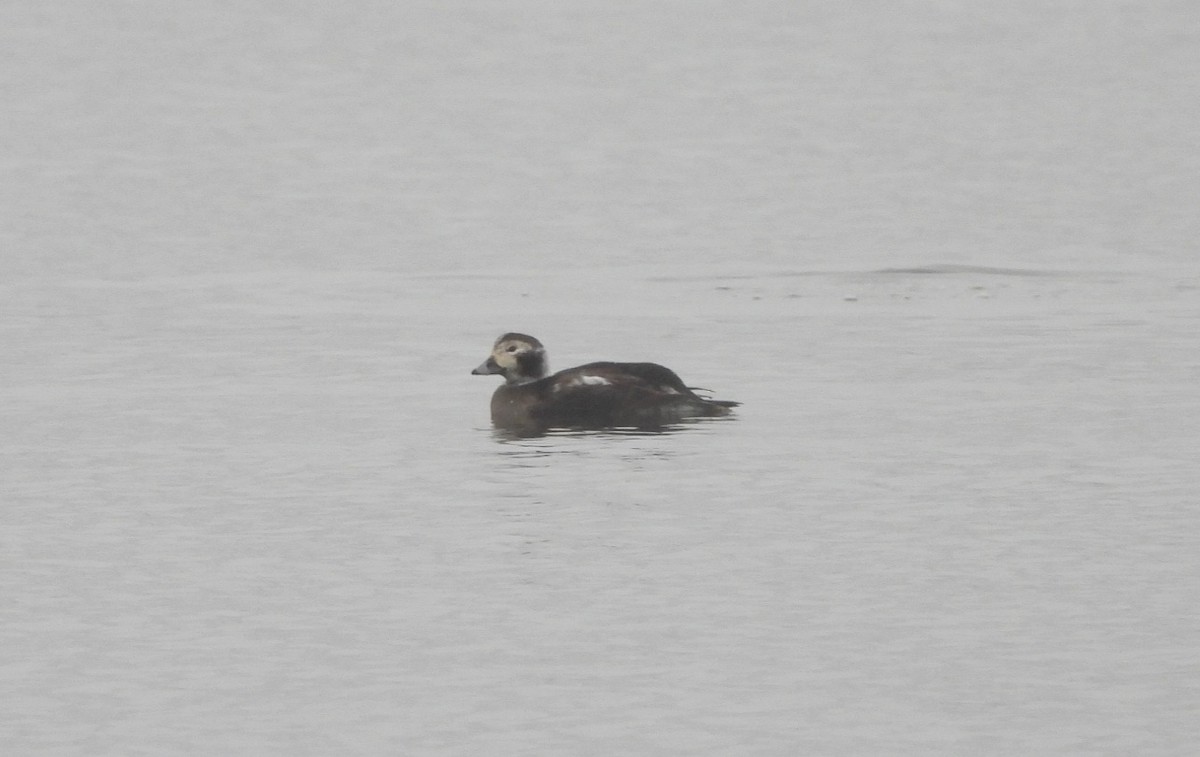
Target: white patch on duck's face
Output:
[(584, 380), (506, 353)]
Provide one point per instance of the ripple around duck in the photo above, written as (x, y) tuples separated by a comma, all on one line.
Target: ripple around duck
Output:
[(681, 426)]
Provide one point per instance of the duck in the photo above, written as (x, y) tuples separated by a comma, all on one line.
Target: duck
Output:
[(598, 395)]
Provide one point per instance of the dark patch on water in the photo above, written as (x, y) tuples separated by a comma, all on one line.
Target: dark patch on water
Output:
[(952, 268), (915, 270)]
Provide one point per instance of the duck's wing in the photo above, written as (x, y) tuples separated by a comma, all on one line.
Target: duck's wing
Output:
[(649, 375), (621, 394), (665, 380)]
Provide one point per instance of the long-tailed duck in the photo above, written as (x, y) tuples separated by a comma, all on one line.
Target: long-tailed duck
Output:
[(592, 396)]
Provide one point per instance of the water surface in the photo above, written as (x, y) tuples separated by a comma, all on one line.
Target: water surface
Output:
[(251, 500)]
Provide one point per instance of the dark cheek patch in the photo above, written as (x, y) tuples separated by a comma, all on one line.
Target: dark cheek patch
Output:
[(530, 363)]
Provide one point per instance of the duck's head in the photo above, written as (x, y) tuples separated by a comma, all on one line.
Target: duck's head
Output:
[(518, 357)]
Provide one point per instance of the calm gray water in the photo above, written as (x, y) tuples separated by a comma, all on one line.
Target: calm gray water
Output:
[(944, 253)]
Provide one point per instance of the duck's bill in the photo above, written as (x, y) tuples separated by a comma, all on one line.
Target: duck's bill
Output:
[(487, 367)]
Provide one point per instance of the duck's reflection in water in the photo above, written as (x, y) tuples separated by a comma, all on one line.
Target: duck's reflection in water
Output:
[(513, 435)]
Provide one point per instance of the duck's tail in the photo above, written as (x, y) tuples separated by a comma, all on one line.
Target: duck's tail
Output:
[(709, 400)]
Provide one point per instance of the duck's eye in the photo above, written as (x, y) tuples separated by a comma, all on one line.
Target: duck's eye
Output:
[(512, 348)]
